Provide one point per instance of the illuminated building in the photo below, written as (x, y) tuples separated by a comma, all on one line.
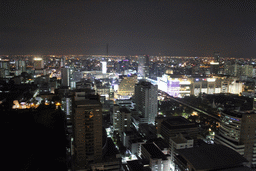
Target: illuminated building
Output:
[(87, 117), (126, 87), (67, 107), (103, 91), (4, 63), (146, 100), (20, 65), (175, 85), (62, 62), (239, 70), (237, 131), (143, 66), (125, 103), (180, 86), (158, 161), (104, 67), (121, 119), (246, 70), (65, 77), (215, 66), (38, 63)]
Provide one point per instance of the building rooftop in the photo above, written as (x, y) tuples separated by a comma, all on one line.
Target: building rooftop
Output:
[(135, 165), (87, 102), (144, 83), (154, 151), (125, 110), (159, 142), (178, 122), (241, 168), (238, 114), (209, 157), (181, 138)]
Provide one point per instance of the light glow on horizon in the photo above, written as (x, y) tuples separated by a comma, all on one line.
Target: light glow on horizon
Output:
[(38, 59)]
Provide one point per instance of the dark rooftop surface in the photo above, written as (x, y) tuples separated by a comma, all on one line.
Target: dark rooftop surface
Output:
[(159, 142), (212, 157), (144, 83), (87, 102), (154, 151), (238, 114), (242, 168), (135, 165), (178, 122), (231, 101), (125, 110)]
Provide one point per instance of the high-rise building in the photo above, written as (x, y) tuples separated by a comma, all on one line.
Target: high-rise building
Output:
[(62, 62), (239, 70), (215, 66), (20, 65), (143, 66), (121, 119), (246, 70), (216, 56), (238, 132), (104, 67), (87, 120), (38, 63), (4, 63), (146, 100), (65, 77)]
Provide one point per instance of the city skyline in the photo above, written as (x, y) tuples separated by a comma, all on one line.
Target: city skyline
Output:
[(173, 28), (117, 113)]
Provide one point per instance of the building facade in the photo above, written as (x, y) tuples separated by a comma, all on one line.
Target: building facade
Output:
[(146, 100), (158, 161), (65, 77), (237, 131), (121, 119), (87, 119), (143, 66)]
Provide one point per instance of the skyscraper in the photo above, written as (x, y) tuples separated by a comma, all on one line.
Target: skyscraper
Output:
[(20, 65), (4, 63), (216, 56), (104, 67), (65, 77), (62, 61), (38, 63), (146, 100), (143, 66), (87, 131)]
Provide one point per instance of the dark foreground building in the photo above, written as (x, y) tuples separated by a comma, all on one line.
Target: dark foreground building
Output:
[(209, 157)]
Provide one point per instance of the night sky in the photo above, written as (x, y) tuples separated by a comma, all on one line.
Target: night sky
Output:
[(174, 27)]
